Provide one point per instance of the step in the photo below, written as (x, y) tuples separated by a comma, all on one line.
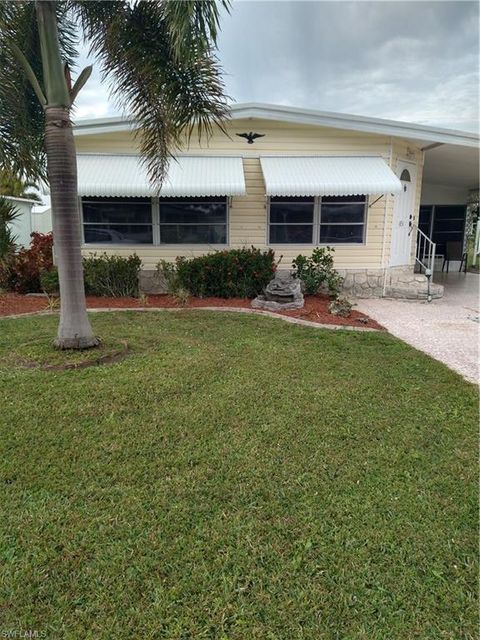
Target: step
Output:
[(414, 291)]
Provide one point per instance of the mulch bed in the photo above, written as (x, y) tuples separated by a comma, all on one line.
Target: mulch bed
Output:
[(315, 309)]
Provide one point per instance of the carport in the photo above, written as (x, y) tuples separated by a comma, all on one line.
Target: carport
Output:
[(450, 182)]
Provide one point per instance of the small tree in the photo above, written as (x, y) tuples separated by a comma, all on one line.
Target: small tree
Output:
[(158, 56)]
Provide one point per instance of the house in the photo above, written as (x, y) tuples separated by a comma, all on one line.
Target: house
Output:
[(41, 219), (30, 218), (379, 192), (21, 227)]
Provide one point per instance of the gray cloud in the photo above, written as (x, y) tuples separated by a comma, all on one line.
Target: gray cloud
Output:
[(413, 61)]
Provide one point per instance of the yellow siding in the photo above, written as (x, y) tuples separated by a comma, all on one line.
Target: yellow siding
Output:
[(248, 214)]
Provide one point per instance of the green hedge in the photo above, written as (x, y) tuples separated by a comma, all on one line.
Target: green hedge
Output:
[(234, 273), (113, 276), (110, 276)]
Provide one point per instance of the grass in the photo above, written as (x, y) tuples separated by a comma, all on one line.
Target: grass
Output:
[(39, 353), (237, 478)]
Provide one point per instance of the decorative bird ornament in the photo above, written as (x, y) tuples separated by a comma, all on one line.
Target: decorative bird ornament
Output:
[(250, 137)]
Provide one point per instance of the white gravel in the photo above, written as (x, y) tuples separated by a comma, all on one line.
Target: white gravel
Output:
[(447, 329)]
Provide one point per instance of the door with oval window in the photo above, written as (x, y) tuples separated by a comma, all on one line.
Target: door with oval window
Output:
[(403, 215)]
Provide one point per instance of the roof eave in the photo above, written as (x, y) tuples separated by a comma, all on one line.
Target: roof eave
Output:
[(15, 199), (414, 132)]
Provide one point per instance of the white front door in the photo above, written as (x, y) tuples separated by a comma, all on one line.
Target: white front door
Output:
[(403, 215)]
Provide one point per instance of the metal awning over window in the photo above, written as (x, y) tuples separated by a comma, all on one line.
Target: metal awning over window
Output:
[(188, 176), (327, 176)]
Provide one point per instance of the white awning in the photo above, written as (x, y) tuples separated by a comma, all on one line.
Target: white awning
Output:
[(328, 176), (188, 176)]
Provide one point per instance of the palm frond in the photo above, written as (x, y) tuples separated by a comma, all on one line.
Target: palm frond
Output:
[(21, 114), (167, 90), (192, 25), (8, 214), (14, 185)]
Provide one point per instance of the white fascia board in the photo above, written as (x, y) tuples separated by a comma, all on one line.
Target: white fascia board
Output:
[(406, 130), (103, 125), (15, 199)]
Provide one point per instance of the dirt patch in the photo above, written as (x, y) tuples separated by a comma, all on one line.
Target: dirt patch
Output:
[(38, 356), (315, 310), (13, 303)]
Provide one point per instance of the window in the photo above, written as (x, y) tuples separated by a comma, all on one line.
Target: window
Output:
[(291, 220), (130, 221), (448, 225), (326, 220), (342, 219), (425, 219), (443, 223), (193, 221), (117, 221)]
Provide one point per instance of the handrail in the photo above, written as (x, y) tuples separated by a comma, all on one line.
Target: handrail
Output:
[(425, 255)]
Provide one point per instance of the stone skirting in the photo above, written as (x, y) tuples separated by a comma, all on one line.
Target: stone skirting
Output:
[(152, 282), (363, 283), (393, 282), (402, 282)]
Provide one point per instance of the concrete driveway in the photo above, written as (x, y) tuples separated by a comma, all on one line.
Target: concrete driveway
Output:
[(447, 329)]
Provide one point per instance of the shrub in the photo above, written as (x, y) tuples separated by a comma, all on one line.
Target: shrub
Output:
[(20, 272), (181, 296), (111, 275), (169, 271), (49, 281), (340, 307), (233, 273), (8, 214), (317, 272)]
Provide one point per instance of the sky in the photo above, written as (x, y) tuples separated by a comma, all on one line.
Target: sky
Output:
[(415, 61)]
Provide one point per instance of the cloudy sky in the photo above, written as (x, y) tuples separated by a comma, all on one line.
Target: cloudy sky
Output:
[(416, 61)]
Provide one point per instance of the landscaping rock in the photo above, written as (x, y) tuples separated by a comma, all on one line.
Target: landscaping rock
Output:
[(284, 292)]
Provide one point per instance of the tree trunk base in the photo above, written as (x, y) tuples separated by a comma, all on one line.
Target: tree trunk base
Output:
[(76, 343)]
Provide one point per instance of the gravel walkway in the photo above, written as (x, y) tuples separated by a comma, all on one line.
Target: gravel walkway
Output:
[(447, 329)]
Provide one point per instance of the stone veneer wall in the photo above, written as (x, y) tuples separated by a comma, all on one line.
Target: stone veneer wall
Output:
[(393, 282), (152, 282), (363, 283), (399, 282), (403, 282)]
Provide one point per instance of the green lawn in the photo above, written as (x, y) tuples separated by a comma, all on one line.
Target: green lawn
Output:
[(237, 478)]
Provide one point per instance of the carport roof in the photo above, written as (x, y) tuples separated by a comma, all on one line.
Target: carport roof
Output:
[(452, 165)]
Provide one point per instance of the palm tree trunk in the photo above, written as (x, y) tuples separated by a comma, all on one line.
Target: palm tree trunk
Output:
[(74, 331)]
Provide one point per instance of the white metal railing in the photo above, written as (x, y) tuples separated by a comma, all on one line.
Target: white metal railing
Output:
[(424, 255)]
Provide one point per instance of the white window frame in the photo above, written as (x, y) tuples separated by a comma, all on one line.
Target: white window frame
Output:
[(313, 224), (156, 234), (357, 224), (193, 224), (317, 208), (115, 245)]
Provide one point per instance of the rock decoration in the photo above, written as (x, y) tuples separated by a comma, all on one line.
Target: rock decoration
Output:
[(283, 293)]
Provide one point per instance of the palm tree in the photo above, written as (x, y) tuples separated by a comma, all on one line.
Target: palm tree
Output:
[(14, 185), (158, 57)]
